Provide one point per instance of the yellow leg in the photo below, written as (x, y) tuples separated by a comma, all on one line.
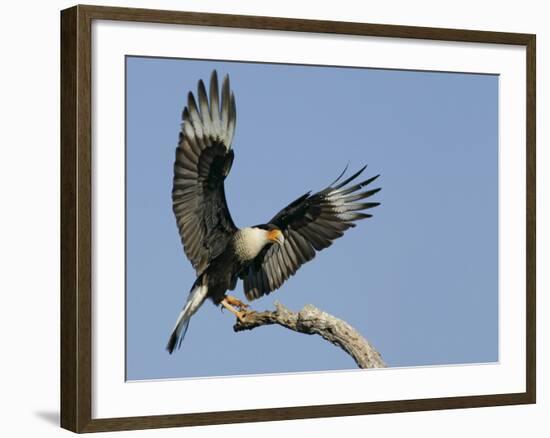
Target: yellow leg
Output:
[(237, 313), (234, 301)]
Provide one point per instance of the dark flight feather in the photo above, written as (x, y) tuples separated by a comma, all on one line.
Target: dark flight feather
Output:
[(203, 161), (309, 224)]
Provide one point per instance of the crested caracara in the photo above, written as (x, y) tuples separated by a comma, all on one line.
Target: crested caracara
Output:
[(265, 255)]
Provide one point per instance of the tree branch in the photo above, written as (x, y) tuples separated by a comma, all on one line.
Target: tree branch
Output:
[(310, 320)]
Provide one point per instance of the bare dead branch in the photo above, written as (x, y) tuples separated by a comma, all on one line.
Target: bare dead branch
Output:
[(310, 320)]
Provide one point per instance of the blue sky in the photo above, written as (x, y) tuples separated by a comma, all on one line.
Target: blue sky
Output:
[(419, 279)]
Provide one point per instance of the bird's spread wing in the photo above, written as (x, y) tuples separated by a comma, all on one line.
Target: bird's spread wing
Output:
[(203, 160), (309, 224)]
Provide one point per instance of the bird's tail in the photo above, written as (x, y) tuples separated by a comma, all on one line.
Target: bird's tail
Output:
[(197, 295)]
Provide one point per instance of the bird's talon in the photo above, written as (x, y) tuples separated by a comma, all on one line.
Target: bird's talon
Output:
[(235, 302)]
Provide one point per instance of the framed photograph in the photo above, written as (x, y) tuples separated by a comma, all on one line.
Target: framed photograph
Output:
[(269, 218)]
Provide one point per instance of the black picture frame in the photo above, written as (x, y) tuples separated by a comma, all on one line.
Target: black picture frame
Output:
[(76, 217)]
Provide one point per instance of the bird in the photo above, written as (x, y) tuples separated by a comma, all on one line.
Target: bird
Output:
[(263, 256)]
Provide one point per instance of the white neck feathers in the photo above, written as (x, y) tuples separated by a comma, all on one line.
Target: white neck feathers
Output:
[(249, 242)]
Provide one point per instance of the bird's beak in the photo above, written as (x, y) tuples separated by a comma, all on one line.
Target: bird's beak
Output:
[(277, 236)]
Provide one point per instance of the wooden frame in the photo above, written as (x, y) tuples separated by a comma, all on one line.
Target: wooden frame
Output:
[(76, 237)]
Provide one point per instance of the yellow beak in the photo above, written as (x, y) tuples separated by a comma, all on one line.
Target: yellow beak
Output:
[(276, 236)]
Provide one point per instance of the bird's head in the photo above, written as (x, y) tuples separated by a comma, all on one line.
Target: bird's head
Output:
[(273, 234)]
